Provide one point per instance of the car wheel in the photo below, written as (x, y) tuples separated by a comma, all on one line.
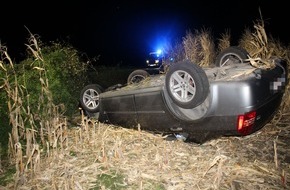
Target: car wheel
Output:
[(231, 55), (137, 76), (187, 84), (89, 98)]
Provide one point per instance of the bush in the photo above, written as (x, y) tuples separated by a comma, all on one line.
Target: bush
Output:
[(59, 71), (66, 75)]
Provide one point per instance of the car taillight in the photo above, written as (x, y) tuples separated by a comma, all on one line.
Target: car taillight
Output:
[(246, 122)]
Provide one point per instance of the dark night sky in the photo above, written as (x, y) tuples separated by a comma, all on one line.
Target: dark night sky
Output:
[(124, 31)]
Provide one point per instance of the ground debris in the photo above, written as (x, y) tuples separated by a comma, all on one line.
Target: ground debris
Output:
[(147, 160)]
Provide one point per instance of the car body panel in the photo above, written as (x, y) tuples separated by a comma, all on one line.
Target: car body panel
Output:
[(148, 105)]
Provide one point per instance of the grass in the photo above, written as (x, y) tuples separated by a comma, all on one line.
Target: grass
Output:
[(104, 77), (8, 176), (113, 181), (116, 181)]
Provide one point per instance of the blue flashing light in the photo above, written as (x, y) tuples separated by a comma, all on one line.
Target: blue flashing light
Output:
[(159, 51)]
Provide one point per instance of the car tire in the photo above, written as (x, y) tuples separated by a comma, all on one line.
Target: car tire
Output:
[(137, 76), (231, 55), (187, 84), (89, 98)]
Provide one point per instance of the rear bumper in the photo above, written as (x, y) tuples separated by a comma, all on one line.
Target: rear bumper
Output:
[(227, 125)]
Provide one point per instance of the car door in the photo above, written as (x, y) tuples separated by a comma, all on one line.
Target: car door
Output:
[(152, 112), (118, 109)]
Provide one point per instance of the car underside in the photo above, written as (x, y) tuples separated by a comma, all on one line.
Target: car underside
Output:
[(203, 103)]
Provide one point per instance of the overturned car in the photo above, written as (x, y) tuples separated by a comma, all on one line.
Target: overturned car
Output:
[(236, 97)]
